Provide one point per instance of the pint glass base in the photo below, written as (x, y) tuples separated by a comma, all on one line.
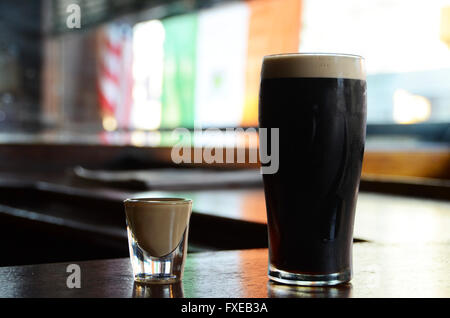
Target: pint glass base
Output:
[(284, 277)]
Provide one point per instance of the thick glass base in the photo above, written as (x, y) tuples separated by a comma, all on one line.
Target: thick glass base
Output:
[(156, 279), (284, 277), (148, 269)]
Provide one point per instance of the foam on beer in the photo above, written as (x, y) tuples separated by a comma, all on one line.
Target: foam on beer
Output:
[(313, 65)]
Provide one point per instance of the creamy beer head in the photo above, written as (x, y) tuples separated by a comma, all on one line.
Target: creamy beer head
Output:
[(158, 224), (313, 65)]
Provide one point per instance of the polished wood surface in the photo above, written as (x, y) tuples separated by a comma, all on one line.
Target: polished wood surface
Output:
[(79, 215), (401, 251), (249, 204), (380, 270), (379, 217)]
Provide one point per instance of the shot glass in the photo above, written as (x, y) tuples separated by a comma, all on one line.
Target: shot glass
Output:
[(157, 237)]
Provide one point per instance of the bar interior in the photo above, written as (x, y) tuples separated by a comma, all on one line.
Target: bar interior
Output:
[(101, 101)]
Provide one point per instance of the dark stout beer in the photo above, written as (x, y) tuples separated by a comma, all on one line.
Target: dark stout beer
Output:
[(318, 102)]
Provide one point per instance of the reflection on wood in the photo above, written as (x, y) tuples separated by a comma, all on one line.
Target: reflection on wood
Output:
[(402, 270)]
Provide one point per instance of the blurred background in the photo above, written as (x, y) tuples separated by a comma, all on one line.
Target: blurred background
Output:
[(145, 65), (131, 71), (90, 92)]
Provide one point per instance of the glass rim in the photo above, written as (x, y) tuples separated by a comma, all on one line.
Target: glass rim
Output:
[(299, 54), (313, 65), (157, 201)]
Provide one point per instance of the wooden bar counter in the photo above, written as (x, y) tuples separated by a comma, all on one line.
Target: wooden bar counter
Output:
[(401, 249), (394, 270)]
